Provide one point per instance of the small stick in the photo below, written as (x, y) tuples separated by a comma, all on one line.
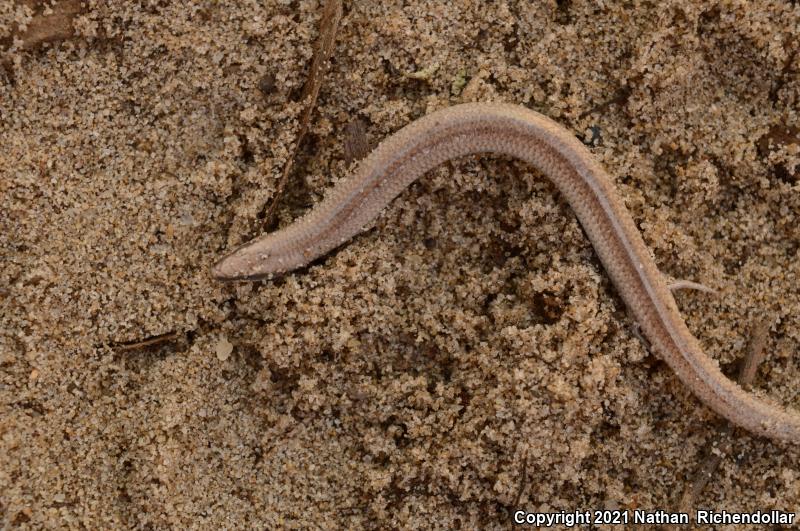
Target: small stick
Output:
[(329, 24), (143, 343), (56, 26), (722, 443)]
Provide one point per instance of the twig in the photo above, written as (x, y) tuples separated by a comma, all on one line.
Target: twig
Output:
[(755, 353), (329, 24), (144, 343), (722, 444), (523, 481), (52, 27)]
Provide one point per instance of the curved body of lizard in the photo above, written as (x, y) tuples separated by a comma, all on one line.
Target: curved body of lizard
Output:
[(524, 134)]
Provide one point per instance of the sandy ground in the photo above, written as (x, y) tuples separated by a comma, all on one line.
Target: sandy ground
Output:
[(465, 358)]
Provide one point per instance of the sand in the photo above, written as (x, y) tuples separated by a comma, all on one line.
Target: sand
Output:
[(464, 359)]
